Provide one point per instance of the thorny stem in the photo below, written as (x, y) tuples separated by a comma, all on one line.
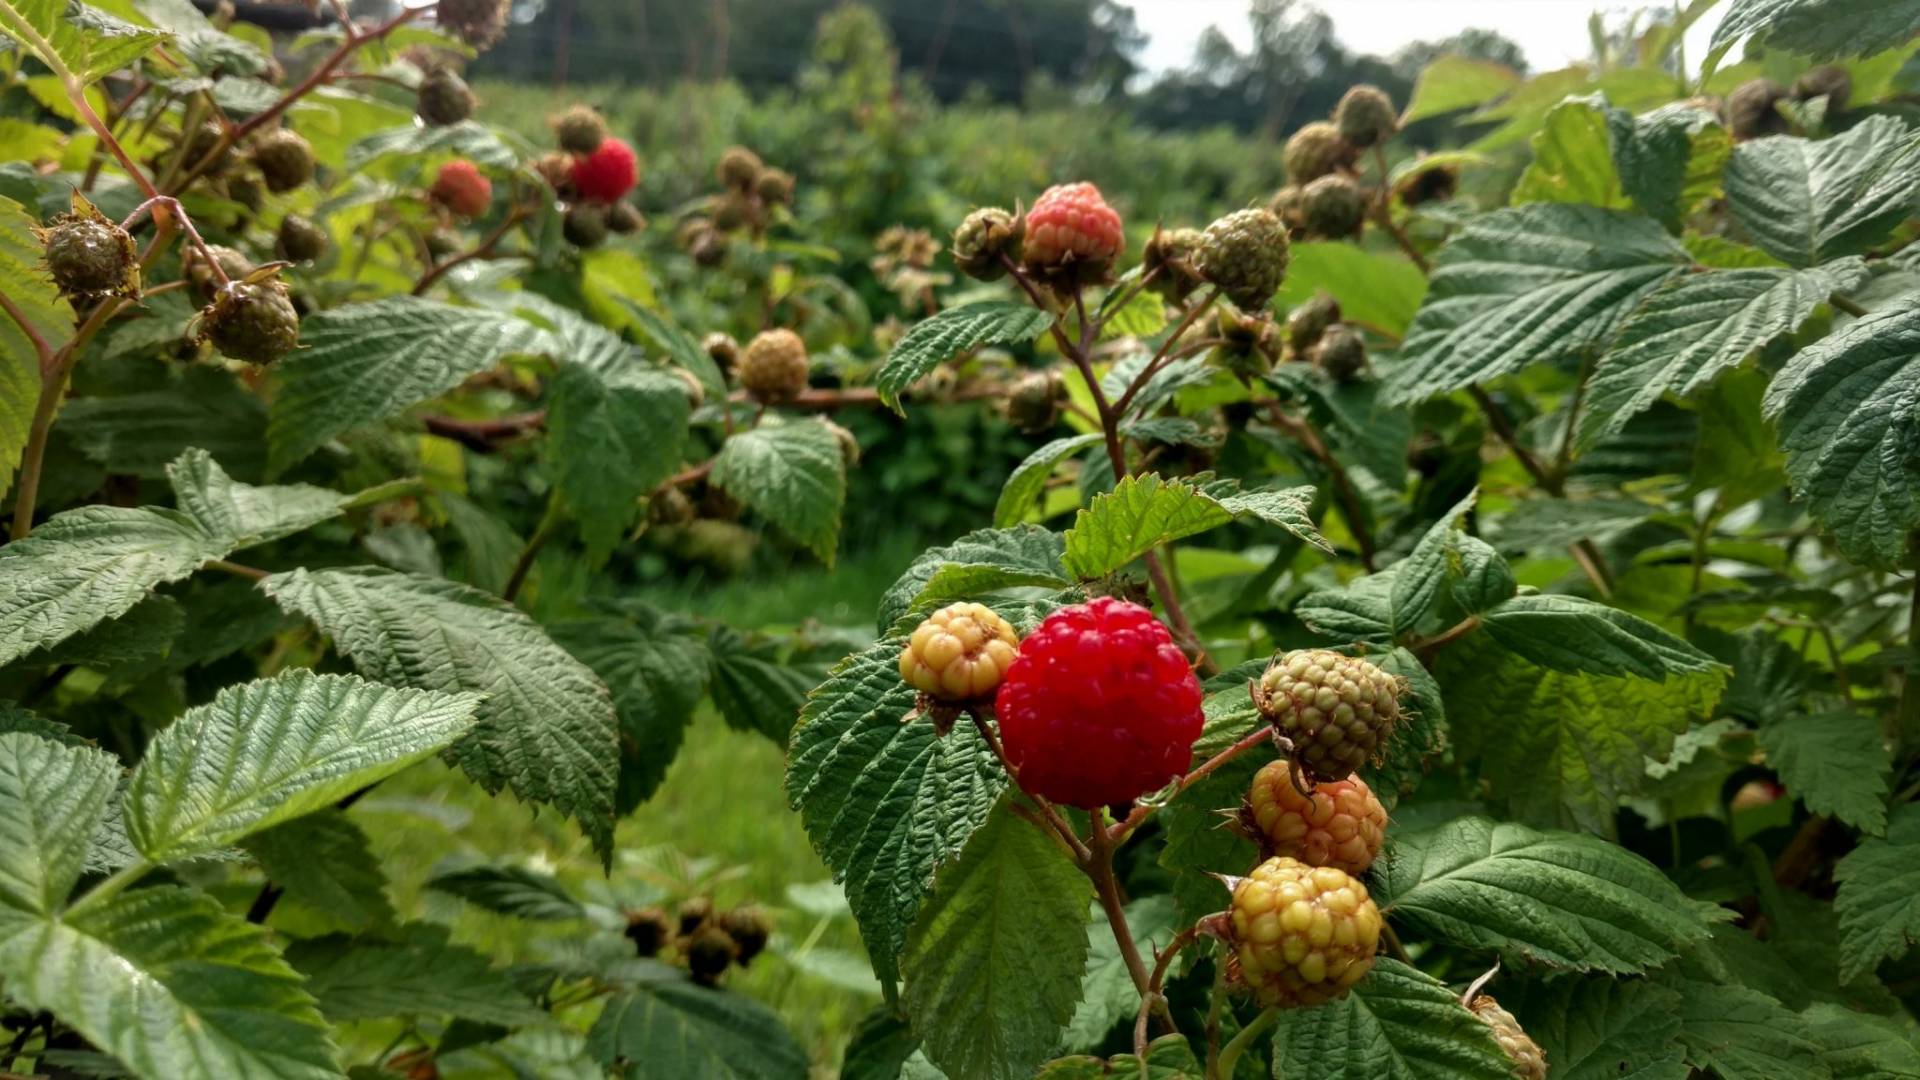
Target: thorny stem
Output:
[(1351, 507), (1082, 856), (1107, 887), (55, 369), (1394, 946), (1141, 812), (1230, 1054), (1215, 1003), (478, 251), (1427, 647), (41, 350), (1383, 211), (1164, 356)]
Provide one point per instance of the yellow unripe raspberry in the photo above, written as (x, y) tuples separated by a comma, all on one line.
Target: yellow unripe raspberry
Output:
[(959, 653), (1339, 824), (1529, 1061), (1301, 935)]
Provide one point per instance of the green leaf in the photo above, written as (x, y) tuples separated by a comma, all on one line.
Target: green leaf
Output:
[(990, 557), (792, 474), (1138, 515), (140, 634), (1543, 523), (679, 347), (1562, 749), (657, 675), (1360, 613), (419, 974), (170, 984), (1806, 201), (1821, 29), (271, 750), (1029, 479), (85, 566), (52, 798), (1694, 328), (468, 139), (1169, 1057), (15, 718), (30, 289), (1197, 847), (950, 333), (1564, 900), (87, 41), (1481, 577), (1374, 288), (993, 965), (614, 436), (1286, 508), (324, 863), (1742, 1034), (1528, 285), (754, 687), (1590, 152), (1843, 408), (1452, 82), (1363, 429), (511, 890), (1879, 897), (878, 1047), (1418, 578), (1860, 1046), (1836, 763), (240, 515), (142, 433), (885, 802), (369, 361), (1574, 634), (1602, 1029), (1399, 1023), (547, 728), (1573, 156), (1107, 994), (666, 1027)]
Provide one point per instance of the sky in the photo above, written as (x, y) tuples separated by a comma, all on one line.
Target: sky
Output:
[(1552, 32)]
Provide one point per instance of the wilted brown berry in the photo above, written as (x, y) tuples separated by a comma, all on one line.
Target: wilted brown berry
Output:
[(301, 240), (649, 930), (774, 186), (1309, 320), (479, 23), (1828, 81), (1033, 403), (1340, 353), (722, 349), (624, 217), (749, 927), (709, 951), (1752, 109)]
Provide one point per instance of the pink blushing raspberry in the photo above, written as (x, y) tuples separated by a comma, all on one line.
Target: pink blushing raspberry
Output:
[(1072, 231)]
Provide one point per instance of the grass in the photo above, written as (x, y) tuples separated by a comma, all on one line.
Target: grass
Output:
[(718, 826)]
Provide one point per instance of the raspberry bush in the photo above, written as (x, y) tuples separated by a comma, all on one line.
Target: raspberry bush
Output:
[(1463, 548)]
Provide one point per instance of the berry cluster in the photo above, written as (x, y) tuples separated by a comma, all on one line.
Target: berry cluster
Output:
[(752, 194), (592, 173), (706, 940)]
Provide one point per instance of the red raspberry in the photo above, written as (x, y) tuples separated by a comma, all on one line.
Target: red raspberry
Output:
[(1338, 824), (607, 174), (1099, 706), (1071, 231), (461, 188)]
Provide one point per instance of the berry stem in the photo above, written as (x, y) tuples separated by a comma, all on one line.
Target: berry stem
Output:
[(1082, 857), (1384, 211), (1584, 552), (1165, 354), (1155, 998), (549, 523), (1107, 887), (1351, 507), (1142, 811), (1425, 648), (41, 350), (55, 369), (1230, 1054), (479, 251)]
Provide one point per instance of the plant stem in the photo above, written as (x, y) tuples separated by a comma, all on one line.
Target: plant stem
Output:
[(1426, 647), (1847, 305), (1082, 856), (1584, 552), (1107, 888), (54, 372), (1230, 1054), (1383, 212), (264, 903), (549, 523), (480, 250), (110, 887), (1351, 507), (1140, 813), (1164, 355), (236, 569)]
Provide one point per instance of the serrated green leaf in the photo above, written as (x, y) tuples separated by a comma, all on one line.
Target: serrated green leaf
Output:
[(1602, 1029), (1528, 285), (366, 362), (678, 346), (1399, 1023), (1419, 738), (885, 802), (86, 41), (85, 566), (169, 984), (1564, 900), (1169, 1057), (879, 1047), (1360, 613), (1577, 635), (1480, 577), (1022, 551), (510, 890), (1843, 407), (547, 728), (792, 474), (1836, 763), (993, 964), (1694, 328), (950, 333), (1138, 515), (323, 862), (142, 633), (754, 687), (1879, 897), (1198, 846), (271, 750), (1374, 288), (657, 676), (1107, 993), (1861, 1046), (469, 139), (240, 515), (1573, 156), (666, 1027), (1453, 82), (1805, 201), (14, 717), (1742, 1034), (1418, 579), (1562, 749), (1362, 428), (1286, 508), (1821, 29), (30, 289), (52, 798), (614, 435), (1029, 478), (142, 433), (420, 973)]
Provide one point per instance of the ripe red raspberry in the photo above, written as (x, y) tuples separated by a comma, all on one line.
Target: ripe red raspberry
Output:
[(1339, 823), (607, 174), (1072, 233), (1529, 1061), (1099, 706), (1302, 935), (959, 653), (461, 188), (1337, 710)]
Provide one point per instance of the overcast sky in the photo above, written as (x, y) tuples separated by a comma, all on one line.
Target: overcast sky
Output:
[(1553, 32)]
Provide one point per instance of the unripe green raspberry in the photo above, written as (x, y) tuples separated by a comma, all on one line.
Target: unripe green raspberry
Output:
[(580, 130), (1365, 116), (1529, 1061), (1285, 205), (1752, 112), (981, 240), (624, 217), (1301, 935), (252, 320), (1307, 322), (959, 653), (1169, 256), (246, 189), (205, 140), (584, 225), (89, 255), (1033, 402), (773, 367), (479, 23), (1314, 151), (1340, 353), (1333, 207), (300, 240), (774, 187), (1829, 81), (1339, 823), (1338, 711), (1245, 254), (233, 264), (285, 159), (731, 210), (739, 168), (444, 98)]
